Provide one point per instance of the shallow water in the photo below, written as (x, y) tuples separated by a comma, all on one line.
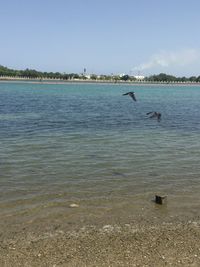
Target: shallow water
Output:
[(88, 144)]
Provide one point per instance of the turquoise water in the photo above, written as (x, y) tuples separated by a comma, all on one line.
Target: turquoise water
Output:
[(88, 144)]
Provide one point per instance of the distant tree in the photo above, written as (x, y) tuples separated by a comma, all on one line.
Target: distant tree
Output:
[(65, 76), (116, 78), (4, 71), (107, 77), (73, 76), (192, 79), (132, 78), (162, 77), (102, 77), (93, 77), (198, 79), (125, 78), (183, 79)]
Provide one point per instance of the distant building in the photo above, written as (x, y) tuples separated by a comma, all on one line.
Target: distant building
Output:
[(139, 77)]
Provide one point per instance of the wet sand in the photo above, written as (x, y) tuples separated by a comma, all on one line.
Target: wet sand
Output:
[(120, 244)]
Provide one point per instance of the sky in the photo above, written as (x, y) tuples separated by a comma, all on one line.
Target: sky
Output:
[(134, 37)]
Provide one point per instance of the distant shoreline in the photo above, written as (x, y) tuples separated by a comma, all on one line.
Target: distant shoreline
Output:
[(58, 81)]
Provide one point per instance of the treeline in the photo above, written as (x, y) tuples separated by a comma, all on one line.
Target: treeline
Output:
[(162, 77), (33, 74)]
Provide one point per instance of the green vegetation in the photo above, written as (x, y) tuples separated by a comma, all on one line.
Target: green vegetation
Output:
[(162, 77), (33, 74)]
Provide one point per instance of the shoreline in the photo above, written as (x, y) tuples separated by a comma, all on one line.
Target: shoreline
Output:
[(137, 83)]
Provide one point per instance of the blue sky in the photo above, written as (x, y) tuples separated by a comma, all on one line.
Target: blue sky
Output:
[(103, 36)]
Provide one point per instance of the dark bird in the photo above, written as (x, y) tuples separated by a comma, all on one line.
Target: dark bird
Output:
[(154, 114), (132, 95)]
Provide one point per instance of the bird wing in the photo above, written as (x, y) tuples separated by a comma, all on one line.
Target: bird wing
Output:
[(126, 94), (153, 114), (132, 95)]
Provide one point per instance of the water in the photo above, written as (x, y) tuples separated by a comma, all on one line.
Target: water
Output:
[(88, 144)]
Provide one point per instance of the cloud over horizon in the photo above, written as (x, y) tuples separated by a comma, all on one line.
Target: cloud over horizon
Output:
[(166, 59)]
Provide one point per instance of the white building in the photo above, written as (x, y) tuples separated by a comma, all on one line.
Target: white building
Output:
[(139, 77)]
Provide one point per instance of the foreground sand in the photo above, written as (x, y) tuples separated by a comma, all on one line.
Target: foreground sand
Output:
[(166, 244)]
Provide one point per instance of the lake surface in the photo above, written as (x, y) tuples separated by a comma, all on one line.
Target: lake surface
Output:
[(88, 144)]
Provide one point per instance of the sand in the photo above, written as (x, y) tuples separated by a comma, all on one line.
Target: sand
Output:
[(127, 244)]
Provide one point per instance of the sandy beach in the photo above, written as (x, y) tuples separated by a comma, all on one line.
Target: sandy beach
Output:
[(127, 244)]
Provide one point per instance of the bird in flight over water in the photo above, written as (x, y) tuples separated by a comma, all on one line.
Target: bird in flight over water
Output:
[(132, 95), (154, 114)]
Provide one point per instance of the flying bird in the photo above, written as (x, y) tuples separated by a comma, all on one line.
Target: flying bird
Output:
[(154, 114), (132, 95)]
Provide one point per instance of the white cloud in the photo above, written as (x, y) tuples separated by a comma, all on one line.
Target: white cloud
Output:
[(167, 59)]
